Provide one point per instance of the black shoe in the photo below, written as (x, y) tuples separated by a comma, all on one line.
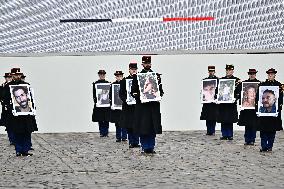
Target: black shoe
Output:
[(269, 150), (26, 154), (149, 151), (18, 154), (263, 150), (124, 140), (32, 149), (230, 138), (134, 146), (118, 140), (210, 134), (12, 144), (223, 138)]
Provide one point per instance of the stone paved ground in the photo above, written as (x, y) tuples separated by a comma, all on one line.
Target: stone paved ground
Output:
[(183, 160)]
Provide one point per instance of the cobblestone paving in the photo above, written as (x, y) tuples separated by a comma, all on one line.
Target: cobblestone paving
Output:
[(183, 160)]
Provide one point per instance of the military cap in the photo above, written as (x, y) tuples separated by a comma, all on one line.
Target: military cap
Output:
[(146, 60), (101, 72), (15, 71), (252, 71), (118, 73), (211, 68), (133, 65), (230, 67), (271, 70)]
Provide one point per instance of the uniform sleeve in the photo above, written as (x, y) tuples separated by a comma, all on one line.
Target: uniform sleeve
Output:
[(238, 89), (122, 90), (135, 88), (280, 99), (94, 93), (160, 86)]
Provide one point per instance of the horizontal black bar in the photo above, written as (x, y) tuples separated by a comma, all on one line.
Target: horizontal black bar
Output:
[(85, 20)]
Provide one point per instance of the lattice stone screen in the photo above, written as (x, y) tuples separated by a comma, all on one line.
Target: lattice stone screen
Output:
[(32, 26)]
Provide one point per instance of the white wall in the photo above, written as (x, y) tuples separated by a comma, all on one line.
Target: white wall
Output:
[(63, 85)]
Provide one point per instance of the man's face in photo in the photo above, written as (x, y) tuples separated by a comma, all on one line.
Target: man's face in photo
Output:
[(268, 99), (21, 98), (209, 92)]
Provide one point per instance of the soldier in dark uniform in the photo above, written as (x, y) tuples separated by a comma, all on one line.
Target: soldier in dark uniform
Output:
[(8, 79), (121, 133), (268, 125), (147, 121), (127, 115), (209, 110), (22, 125), (101, 114), (227, 112), (248, 117)]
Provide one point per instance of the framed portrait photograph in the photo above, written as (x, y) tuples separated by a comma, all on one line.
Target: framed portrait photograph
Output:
[(148, 86), (226, 90), (248, 95), (102, 93), (130, 100), (208, 90), (22, 99), (116, 103), (268, 101)]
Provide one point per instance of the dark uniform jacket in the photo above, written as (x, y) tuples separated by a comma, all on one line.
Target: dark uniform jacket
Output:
[(209, 110), (247, 117), (114, 114), (147, 119), (127, 114), (100, 113), (227, 112), (267, 123), (4, 110), (21, 123)]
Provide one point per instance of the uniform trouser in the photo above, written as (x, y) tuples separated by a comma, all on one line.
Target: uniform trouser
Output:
[(148, 141), (132, 138), (121, 133), (250, 135), (22, 142), (227, 129), (267, 139), (30, 141), (103, 127), (11, 136), (210, 127)]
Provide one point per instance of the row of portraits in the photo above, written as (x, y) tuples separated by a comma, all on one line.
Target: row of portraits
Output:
[(268, 95), (148, 87)]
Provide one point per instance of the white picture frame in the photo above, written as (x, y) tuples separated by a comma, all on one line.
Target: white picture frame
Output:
[(102, 94), (226, 89), (248, 95), (129, 99), (266, 96), (116, 103), (208, 90), (22, 100), (148, 87)]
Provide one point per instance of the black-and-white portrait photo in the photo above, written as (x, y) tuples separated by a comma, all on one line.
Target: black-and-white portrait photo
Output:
[(148, 86), (22, 100), (102, 93), (130, 99), (226, 89), (116, 101)]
